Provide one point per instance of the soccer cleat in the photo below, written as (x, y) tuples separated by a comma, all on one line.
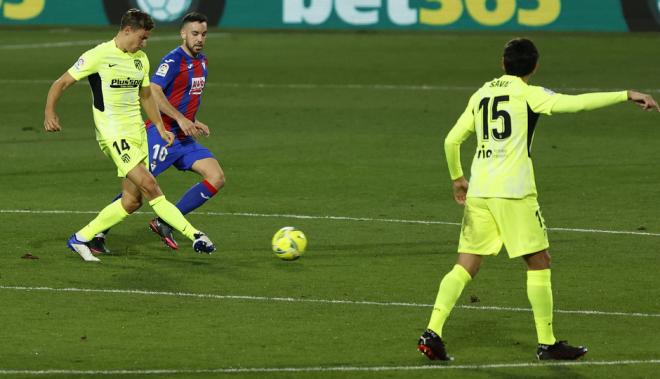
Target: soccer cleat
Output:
[(161, 228), (97, 245), (561, 350), (202, 244), (81, 248), (431, 345)]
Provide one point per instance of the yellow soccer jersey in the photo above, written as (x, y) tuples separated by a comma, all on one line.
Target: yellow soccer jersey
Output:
[(115, 77), (503, 114)]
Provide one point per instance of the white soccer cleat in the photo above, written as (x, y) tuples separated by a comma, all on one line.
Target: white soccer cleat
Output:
[(82, 249), (202, 244)]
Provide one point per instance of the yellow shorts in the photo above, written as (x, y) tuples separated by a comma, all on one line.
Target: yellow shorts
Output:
[(490, 222), (126, 152)]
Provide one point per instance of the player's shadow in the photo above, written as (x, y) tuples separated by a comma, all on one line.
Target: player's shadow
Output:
[(135, 244)]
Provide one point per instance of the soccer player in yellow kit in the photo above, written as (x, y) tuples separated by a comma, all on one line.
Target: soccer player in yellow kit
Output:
[(501, 207), (118, 73)]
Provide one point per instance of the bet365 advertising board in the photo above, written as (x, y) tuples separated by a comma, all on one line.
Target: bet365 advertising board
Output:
[(566, 15)]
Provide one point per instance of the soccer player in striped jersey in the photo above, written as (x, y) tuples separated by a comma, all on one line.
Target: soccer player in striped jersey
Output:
[(500, 200), (178, 84), (118, 73)]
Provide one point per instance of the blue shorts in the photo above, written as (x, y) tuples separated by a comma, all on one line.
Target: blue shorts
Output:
[(182, 154)]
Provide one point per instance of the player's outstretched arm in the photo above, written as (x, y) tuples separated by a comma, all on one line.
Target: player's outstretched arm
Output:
[(596, 100), (164, 105), (646, 102), (51, 119), (151, 109)]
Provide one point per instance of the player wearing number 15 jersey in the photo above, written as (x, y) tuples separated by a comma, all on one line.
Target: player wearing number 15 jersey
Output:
[(500, 205), (118, 75)]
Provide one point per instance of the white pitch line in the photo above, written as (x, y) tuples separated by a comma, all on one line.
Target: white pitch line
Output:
[(334, 218), (235, 370), (91, 42), (317, 301), (382, 87)]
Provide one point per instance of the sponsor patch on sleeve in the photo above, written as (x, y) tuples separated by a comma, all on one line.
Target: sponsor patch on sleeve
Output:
[(79, 64), (163, 69)]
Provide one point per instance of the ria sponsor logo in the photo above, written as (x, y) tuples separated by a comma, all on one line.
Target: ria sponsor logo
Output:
[(483, 153), (125, 83)]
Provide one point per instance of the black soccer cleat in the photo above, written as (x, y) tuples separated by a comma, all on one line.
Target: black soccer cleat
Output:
[(561, 350), (431, 345), (97, 245), (163, 229)]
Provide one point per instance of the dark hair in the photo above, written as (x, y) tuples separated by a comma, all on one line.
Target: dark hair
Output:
[(520, 57), (136, 19), (193, 17)]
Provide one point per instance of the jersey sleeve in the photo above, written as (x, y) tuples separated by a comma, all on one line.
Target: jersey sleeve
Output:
[(145, 68), (588, 101), (541, 100), (463, 128), (86, 65), (167, 70)]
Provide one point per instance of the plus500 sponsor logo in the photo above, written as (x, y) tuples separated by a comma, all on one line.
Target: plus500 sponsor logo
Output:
[(420, 12)]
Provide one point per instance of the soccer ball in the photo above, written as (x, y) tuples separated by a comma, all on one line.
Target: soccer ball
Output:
[(165, 10), (289, 243)]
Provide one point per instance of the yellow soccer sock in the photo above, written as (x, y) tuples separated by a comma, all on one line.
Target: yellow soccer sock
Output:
[(172, 215), (450, 290), (539, 292), (110, 216)]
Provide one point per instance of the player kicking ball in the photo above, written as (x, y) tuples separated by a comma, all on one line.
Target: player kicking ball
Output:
[(118, 73), (177, 85), (500, 200)]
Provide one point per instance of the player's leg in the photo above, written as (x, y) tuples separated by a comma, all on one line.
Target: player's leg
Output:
[(146, 183), (97, 244), (126, 153), (198, 194), (109, 216), (192, 156), (159, 158), (452, 284), (539, 293), (479, 236), (523, 230)]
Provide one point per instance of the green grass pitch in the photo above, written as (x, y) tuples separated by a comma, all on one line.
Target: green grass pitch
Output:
[(328, 124)]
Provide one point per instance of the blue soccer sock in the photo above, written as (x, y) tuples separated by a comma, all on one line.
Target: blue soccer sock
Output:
[(196, 196)]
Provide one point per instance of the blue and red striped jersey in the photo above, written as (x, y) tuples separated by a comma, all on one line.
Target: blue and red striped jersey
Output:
[(182, 79)]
